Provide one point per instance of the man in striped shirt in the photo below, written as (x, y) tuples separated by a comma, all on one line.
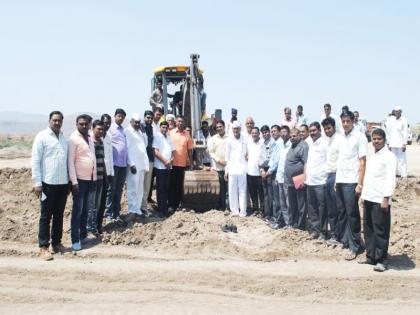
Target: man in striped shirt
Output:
[(101, 178), (51, 182)]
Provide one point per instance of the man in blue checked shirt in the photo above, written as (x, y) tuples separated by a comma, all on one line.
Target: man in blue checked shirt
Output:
[(51, 183)]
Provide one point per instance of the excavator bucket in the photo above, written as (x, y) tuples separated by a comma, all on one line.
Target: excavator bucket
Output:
[(201, 190)]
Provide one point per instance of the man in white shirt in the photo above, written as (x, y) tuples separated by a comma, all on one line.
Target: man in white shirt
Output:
[(157, 115), (217, 150), (254, 179), (332, 155), (235, 171), (378, 188), (398, 134), (51, 183), (164, 155), (358, 124), (316, 181), (300, 117), (138, 164), (327, 113), (351, 164)]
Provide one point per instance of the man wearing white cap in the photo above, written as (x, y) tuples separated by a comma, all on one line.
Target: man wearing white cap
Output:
[(397, 128), (235, 171), (138, 164)]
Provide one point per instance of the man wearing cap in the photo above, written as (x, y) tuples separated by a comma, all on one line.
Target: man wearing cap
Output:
[(119, 156), (398, 134), (171, 121), (138, 164), (235, 171)]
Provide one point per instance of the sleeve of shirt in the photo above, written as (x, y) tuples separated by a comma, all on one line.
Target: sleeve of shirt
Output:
[(362, 150), (274, 159), (71, 162), (212, 149), (189, 144), (155, 143), (405, 133), (111, 159), (305, 152), (391, 173), (130, 147), (227, 156), (37, 156)]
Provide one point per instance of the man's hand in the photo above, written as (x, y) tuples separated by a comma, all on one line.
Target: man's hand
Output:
[(38, 191), (404, 147), (222, 162), (276, 182), (358, 190), (167, 163), (385, 205), (133, 169), (75, 189)]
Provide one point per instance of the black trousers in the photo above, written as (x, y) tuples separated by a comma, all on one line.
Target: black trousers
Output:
[(107, 186), (162, 184), (348, 216), (268, 196), (223, 190), (149, 197), (52, 207), (317, 209), (297, 207), (256, 193), (377, 223), (176, 186), (332, 206)]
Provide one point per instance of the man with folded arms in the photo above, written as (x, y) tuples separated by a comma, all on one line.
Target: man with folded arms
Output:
[(51, 182), (294, 167), (316, 181), (254, 179), (378, 188)]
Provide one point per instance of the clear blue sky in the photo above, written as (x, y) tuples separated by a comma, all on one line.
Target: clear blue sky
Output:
[(258, 56)]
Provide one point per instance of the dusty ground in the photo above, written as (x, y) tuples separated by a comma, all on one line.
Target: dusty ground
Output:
[(186, 265)]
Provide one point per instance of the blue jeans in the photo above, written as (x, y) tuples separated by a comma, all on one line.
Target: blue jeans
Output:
[(332, 206), (283, 215), (276, 196), (348, 216), (93, 210), (113, 198), (82, 202)]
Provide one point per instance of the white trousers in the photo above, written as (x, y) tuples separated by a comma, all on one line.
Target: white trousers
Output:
[(147, 184), (401, 161), (237, 194), (135, 189)]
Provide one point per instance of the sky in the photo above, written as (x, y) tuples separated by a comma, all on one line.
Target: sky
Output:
[(257, 56)]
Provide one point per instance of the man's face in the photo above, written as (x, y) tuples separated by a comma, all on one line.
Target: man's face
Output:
[(347, 124), (148, 119), (249, 124), (327, 111), (180, 123), (158, 116), (285, 135), (107, 123), (135, 124), (83, 126), (119, 119), (275, 133), (255, 134), (303, 133), (378, 142), (398, 114), (55, 123), (299, 110), (266, 135), (329, 130), (159, 85), (205, 127), (234, 114), (314, 132), (288, 114), (237, 132), (164, 129), (294, 136), (220, 129), (356, 116), (98, 131)]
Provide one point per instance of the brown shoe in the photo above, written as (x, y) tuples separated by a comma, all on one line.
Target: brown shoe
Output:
[(59, 249), (45, 254)]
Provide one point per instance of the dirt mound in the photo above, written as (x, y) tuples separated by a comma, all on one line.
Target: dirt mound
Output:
[(193, 233)]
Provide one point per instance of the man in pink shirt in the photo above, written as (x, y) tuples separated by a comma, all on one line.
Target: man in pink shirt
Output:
[(287, 118), (82, 173)]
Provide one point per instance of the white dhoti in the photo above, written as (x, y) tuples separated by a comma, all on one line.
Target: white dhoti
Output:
[(135, 190), (237, 194), (402, 161)]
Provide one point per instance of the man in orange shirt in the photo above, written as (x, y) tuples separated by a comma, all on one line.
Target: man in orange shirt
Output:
[(183, 146)]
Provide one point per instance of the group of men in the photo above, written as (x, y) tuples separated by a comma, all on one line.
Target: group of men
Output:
[(298, 175)]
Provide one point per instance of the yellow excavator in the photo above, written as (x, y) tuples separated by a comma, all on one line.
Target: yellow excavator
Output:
[(201, 185)]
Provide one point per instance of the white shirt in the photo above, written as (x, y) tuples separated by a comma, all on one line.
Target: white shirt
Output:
[(217, 150), (136, 149), (108, 157), (398, 132), (338, 126), (351, 148), (236, 150), (332, 152), (165, 147), (359, 126), (49, 159), (301, 120), (316, 166), (284, 148), (381, 170), (156, 127), (253, 149)]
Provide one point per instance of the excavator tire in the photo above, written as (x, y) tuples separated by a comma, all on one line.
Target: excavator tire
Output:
[(201, 190)]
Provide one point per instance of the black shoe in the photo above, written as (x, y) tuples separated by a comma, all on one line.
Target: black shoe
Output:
[(314, 235)]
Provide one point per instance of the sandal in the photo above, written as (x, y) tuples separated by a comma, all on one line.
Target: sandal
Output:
[(350, 256)]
